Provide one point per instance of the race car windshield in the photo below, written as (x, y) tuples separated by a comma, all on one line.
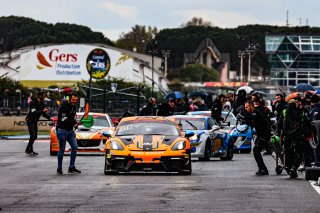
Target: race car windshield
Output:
[(192, 123), (147, 128)]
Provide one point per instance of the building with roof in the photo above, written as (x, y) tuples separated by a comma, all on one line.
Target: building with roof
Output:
[(293, 59)]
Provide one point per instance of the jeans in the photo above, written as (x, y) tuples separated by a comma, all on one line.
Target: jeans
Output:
[(64, 136), (33, 132)]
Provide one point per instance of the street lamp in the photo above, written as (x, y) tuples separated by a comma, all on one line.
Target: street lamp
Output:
[(114, 87), (152, 49), (165, 54), (241, 54), (250, 51)]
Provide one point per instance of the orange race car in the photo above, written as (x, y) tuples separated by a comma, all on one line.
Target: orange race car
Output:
[(89, 140), (148, 144)]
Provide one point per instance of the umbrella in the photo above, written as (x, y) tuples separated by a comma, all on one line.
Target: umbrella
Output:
[(173, 95), (246, 88), (293, 95), (196, 94), (303, 87), (317, 92)]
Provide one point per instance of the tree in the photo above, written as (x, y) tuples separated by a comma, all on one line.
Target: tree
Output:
[(198, 21), (194, 73), (137, 39)]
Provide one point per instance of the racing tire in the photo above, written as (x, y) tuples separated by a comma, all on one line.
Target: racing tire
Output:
[(107, 169), (279, 170), (207, 152), (245, 151), (53, 153), (229, 155), (314, 141), (187, 169), (312, 173)]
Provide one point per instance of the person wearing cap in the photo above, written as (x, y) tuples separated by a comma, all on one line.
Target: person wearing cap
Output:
[(65, 132), (150, 109), (36, 109)]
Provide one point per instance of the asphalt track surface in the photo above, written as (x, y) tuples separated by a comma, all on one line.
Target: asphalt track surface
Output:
[(30, 184)]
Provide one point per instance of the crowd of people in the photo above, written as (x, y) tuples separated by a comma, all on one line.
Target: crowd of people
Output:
[(293, 117), (291, 122)]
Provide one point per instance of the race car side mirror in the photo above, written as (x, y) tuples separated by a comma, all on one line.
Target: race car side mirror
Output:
[(107, 134), (189, 134)]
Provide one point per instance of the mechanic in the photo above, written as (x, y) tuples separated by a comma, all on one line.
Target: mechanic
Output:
[(260, 122), (150, 109), (36, 109), (315, 115), (216, 109), (295, 123), (65, 132)]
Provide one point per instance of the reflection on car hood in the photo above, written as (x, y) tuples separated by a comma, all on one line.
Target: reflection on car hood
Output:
[(148, 142)]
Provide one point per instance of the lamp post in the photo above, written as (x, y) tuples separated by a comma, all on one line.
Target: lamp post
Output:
[(241, 54), (250, 50), (152, 49), (165, 54)]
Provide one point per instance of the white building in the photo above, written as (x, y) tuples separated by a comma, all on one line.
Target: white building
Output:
[(66, 64)]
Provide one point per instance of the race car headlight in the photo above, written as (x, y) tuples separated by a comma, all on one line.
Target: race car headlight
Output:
[(179, 145), (115, 145)]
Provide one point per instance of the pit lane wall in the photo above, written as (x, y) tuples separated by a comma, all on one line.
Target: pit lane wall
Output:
[(18, 123)]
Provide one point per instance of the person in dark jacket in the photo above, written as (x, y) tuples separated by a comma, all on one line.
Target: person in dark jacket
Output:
[(315, 115), (36, 109), (261, 124), (295, 123), (167, 109), (278, 105), (238, 105), (65, 132), (150, 109), (216, 109)]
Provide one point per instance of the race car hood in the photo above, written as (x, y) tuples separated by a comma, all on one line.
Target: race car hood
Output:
[(148, 142)]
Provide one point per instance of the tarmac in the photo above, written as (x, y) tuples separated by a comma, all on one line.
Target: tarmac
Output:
[(23, 137)]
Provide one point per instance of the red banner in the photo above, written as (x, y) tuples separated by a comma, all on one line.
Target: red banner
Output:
[(225, 84)]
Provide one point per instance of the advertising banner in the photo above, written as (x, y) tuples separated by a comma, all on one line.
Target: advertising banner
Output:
[(60, 64)]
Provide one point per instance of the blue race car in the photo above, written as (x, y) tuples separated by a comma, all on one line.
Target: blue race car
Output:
[(207, 141)]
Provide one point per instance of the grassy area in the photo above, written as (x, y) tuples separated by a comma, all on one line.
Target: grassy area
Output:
[(14, 133)]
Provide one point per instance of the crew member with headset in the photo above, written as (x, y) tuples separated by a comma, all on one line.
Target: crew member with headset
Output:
[(36, 109), (65, 132)]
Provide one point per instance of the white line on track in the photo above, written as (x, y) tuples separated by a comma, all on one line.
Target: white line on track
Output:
[(315, 186)]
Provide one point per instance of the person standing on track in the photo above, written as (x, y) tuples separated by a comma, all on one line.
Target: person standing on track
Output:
[(65, 132), (260, 122), (36, 109)]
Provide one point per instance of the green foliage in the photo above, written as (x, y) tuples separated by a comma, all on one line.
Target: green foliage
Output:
[(137, 39), (194, 73), (17, 32)]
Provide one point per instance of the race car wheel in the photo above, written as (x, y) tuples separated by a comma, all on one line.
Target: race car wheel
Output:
[(207, 152), (229, 155), (187, 168), (245, 151), (279, 170), (314, 141), (53, 153)]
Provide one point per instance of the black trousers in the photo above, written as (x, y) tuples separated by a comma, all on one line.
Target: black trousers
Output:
[(33, 132), (260, 144)]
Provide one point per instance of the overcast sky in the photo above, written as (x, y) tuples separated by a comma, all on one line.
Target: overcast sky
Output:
[(117, 16)]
